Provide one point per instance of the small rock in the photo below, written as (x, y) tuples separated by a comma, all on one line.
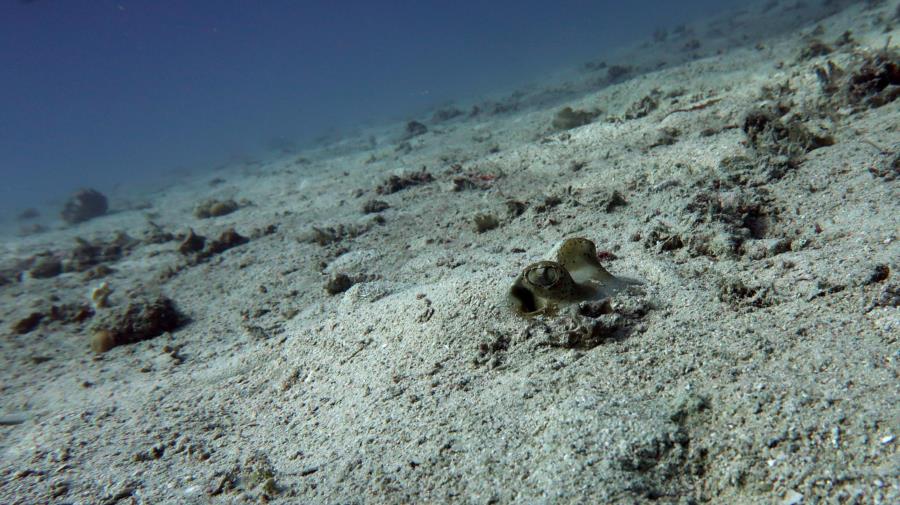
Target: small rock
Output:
[(141, 320), (83, 205), (414, 129), (339, 283), (374, 206), (485, 222), (192, 243), (28, 324), (215, 208), (228, 239), (396, 183), (27, 214), (46, 267)]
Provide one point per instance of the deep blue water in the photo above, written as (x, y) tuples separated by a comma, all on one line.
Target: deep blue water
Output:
[(108, 92)]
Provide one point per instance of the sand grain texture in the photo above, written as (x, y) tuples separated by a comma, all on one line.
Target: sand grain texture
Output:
[(757, 363)]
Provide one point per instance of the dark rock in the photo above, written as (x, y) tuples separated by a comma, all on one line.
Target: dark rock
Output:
[(644, 106), (877, 81), (815, 48), (28, 324), (192, 243), (156, 234), (373, 206), (617, 72), (86, 255), (338, 284), (879, 273), (228, 239), (569, 118), (139, 321), (98, 272), (46, 267), (70, 313), (215, 208), (612, 200), (28, 214), (445, 114), (791, 139), (83, 205), (515, 208), (396, 183), (334, 234), (414, 129), (485, 222)]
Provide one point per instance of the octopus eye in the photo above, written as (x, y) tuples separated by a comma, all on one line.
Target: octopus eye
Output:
[(544, 276)]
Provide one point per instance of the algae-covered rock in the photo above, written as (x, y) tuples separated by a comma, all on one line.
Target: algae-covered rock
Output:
[(85, 204), (215, 208), (140, 320), (569, 118)]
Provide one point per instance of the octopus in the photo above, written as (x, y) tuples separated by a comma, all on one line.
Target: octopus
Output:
[(575, 276)]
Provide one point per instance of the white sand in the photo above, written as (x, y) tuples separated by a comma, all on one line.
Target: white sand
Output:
[(420, 385)]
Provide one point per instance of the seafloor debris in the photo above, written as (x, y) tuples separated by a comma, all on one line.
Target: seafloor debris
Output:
[(198, 247), (395, 183), (445, 114), (877, 79), (569, 118), (46, 266), (339, 283), (30, 213), (515, 208), (215, 208), (63, 313), (414, 129), (815, 48), (644, 106), (485, 222), (333, 234), (375, 206), (775, 134), (228, 239), (575, 276), (155, 234), (87, 254), (28, 324), (617, 73), (141, 320), (872, 79), (100, 295), (83, 205), (192, 243)]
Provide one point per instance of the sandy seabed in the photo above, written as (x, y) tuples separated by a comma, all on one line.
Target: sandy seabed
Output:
[(350, 340)]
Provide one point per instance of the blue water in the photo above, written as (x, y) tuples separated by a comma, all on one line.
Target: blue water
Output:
[(106, 93)]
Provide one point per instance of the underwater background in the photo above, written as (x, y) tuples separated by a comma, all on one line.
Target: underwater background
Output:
[(414, 252), (109, 93)]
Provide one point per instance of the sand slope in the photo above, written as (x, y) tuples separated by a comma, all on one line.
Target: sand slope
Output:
[(756, 363)]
